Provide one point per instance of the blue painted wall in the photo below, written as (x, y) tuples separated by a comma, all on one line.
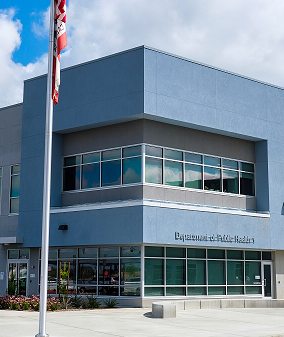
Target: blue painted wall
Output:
[(145, 83)]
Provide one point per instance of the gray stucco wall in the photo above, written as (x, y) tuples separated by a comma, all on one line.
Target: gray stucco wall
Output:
[(10, 154)]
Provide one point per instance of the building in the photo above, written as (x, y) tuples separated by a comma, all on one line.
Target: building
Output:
[(165, 181)]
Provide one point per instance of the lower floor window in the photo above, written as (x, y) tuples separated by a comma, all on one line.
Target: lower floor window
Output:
[(168, 271)]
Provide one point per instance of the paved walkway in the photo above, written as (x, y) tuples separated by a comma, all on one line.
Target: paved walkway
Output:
[(124, 322)]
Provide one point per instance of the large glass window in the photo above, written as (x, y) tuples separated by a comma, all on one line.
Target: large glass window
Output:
[(193, 176), (153, 170), (212, 179), (173, 173), (161, 166), (15, 188)]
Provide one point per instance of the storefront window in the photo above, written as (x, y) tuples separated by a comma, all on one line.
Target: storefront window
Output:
[(154, 271)]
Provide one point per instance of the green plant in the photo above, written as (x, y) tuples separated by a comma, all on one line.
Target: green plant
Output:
[(12, 287), (92, 302), (110, 303), (76, 302)]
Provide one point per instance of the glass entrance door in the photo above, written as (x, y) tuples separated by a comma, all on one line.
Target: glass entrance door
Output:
[(17, 278), (267, 279)]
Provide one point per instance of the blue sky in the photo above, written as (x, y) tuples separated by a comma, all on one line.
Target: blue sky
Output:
[(29, 13), (245, 37)]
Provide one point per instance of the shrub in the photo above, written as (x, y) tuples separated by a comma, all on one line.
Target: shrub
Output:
[(17, 302), (110, 303), (75, 302), (92, 302)]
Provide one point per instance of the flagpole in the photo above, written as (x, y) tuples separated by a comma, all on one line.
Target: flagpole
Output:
[(46, 183)]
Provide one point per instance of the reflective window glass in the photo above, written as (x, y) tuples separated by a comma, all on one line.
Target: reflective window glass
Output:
[(130, 251), (266, 256), (216, 290), (15, 186), (230, 181), (173, 173), (153, 151), (235, 254), (108, 251), (91, 158), (252, 255), (91, 175), (253, 290), (252, 272), (172, 154), (196, 253), (247, 183), (111, 154), (87, 273), (235, 290), (88, 252), (175, 272), (193, 157), (132, 170), (196, 291), (71, 178), (133, 290), (193, 176), (52, 254), (109, 271), (196, 272), (212, 161), (212, 179), (66, 253), (154, 251), (154, 291), (13, 254), (14, 205), (111, 173), (175, 291), (153, 170), (16, 169), (216, 253), (130, 272), (235, 272), (108, 291), (216, 272), (52, 277), (175, 252), (231, 164), (71, 161), (247, 167), (132, 151), (24, 254), (72, 275), (154, 271)]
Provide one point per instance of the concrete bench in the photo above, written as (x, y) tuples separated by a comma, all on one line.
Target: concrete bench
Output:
[(164, 310), (168, 309)]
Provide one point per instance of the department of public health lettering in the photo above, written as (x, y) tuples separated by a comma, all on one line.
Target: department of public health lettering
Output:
[(214, 238)]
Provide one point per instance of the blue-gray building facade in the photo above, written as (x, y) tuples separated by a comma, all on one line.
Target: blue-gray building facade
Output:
[(166, 179)]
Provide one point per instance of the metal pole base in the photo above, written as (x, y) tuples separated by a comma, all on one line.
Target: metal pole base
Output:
[(41, 335)]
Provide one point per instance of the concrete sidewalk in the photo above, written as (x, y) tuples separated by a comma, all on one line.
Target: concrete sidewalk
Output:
[(124, 322)]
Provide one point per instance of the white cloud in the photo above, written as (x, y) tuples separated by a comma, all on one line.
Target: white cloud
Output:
[(242, 36), (13, 74)]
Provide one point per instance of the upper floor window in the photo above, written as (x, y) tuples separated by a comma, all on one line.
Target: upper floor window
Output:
[(103, 168), (162, 166), (15, 188)]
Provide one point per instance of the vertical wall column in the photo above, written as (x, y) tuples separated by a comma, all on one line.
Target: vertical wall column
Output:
[(279, 274)]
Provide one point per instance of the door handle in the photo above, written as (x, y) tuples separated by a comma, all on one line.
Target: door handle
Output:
[(264, 282)]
